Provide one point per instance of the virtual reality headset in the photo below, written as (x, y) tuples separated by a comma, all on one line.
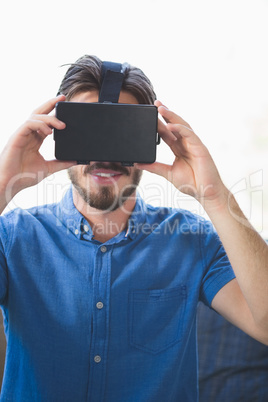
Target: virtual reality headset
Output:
[(107, 131)]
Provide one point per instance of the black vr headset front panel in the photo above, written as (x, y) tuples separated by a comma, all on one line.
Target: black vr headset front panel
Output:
[(107, 130)]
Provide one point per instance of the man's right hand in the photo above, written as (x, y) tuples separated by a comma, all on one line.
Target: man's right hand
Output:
[(21, 164)]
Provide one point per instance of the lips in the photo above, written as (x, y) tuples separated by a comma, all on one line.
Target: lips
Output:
[(105, 173), (105, 176), (106, 167)]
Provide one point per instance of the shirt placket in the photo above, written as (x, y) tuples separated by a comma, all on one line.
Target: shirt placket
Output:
[(100, 325)]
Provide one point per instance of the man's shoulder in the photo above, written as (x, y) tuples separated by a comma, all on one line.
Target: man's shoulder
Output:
[(185, 221), (20, 215), (166, 213), (21, 223)]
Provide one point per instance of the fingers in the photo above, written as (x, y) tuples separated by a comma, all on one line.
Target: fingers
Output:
[(41, 124), (48, 106), (184, 132), (169, 116), (175, 125), (50, 121), (31, 126), (166, 134)]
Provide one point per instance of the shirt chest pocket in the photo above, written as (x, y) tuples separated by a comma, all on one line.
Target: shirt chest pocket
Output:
[(156, 318)]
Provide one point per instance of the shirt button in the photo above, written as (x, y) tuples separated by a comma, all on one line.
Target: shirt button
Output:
[(99, 305), (76, 231), (97, 359), (103, 249), (86, 228)]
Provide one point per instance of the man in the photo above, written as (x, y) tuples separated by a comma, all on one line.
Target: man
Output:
[(100, 291)]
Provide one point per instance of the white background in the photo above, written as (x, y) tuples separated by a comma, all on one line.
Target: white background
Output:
[(207, 60)]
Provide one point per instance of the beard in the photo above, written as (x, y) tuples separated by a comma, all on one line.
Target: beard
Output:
[(106, 198)]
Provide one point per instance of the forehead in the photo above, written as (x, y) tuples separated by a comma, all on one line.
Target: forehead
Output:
[(93, 96)]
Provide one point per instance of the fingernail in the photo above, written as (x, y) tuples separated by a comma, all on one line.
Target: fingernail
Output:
[(164, 107)]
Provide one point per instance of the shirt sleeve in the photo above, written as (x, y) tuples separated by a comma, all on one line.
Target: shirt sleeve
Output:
[(3, 262), (217, 268)]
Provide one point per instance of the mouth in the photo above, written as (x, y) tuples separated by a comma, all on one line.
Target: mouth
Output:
[(105, 176), (104, 173)]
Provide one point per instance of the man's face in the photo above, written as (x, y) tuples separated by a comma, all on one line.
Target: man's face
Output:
[(104, 185)]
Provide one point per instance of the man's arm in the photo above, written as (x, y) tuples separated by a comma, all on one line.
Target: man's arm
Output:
[(244, 300), (21, 164)]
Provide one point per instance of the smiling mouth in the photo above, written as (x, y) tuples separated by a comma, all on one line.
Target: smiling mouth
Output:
[(101, 174), (107, 177), (106, 170)]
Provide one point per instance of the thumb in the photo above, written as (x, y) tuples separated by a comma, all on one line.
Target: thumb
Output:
[(158, 168), (57, 165)]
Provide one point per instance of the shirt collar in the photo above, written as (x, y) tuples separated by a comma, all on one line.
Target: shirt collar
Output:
[(75, 222)]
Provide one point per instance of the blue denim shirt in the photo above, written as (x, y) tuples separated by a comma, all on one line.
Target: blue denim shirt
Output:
[(87, 321)]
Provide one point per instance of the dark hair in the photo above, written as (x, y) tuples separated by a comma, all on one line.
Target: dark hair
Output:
[(85, 75)]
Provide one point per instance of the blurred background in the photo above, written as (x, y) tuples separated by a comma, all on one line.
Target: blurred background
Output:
[(207, 60)]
